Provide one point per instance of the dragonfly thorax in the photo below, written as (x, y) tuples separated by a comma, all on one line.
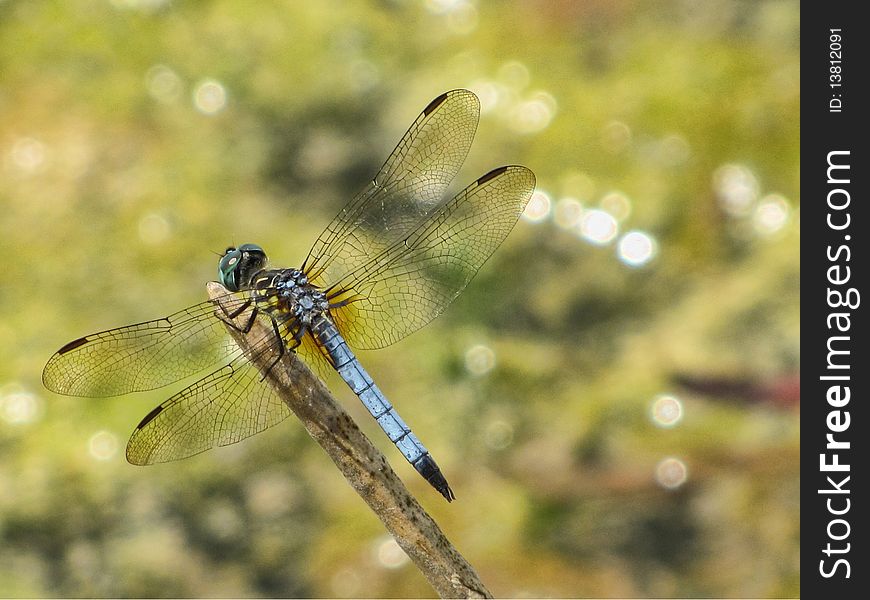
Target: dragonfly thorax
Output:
[(288, 293)]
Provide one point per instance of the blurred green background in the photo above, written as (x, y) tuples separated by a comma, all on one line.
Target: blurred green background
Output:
[(615, 397)]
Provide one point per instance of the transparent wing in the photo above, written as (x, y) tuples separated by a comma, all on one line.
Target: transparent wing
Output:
[(408, 188), (143, 356), (227, 406), (404, 287)]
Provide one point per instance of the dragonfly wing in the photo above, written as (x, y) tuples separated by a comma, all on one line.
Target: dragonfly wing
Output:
[(403, 288), (224, 407), (314, 356), (408, 188), (143, 356), (227, 406)]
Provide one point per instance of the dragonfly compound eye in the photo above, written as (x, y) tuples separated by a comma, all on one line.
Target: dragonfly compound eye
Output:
[(227, 269), (239, 265)]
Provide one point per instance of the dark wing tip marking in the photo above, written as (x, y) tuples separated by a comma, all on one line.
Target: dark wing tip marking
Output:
[(149, 417), (491, 175), (73, 345), (435, 103)]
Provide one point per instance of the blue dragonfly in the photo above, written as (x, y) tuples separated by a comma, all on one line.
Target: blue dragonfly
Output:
[(391, 261)]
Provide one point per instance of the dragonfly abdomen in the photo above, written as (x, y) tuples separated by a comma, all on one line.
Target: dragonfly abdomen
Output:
[(358, 379)]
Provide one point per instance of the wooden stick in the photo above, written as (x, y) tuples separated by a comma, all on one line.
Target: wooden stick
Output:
[(363, 465)]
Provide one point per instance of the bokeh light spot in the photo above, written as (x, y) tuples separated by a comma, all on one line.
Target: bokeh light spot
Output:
[(498, 434), (488, 92), (389, 554), (666, 411), (737, 189), (153, 229), (514, 74), (223, 520), (18, 406), (538, 208), (616, 136), (671, 473), (479, 360), (771, 214), (578, 184), (103, 445), (636, 248), (346, 583), (28, 155), (440, 7), (617, 204), (363, 74), (164, 85), (531, 116), (210, 97), (598, 226), (674, 150), (567, 213), (462, 18)]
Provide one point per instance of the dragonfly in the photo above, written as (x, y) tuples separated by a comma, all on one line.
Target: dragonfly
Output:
[(389, 262)]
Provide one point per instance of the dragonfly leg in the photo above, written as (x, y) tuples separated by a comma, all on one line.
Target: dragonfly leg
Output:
[(231, 316), (297, 336), (280, 345)]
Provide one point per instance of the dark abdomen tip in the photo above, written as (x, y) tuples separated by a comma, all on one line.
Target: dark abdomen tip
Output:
[(430, 471)]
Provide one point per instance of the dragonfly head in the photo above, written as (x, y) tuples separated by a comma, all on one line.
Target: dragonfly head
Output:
[(239, 265)]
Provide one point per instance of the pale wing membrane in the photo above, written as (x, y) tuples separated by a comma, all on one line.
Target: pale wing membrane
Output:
[(222, 408), (143, 356), (405, 287), (409, 187), (225, 407)]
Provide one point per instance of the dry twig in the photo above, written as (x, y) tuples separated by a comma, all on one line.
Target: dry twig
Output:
[(365, 468)]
